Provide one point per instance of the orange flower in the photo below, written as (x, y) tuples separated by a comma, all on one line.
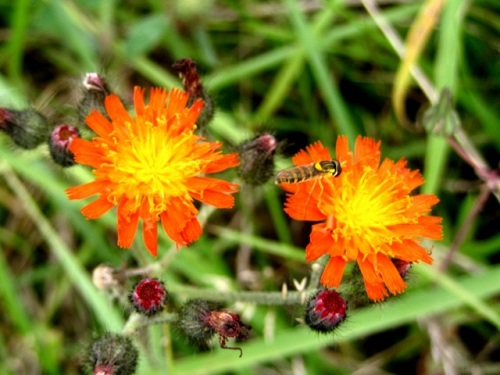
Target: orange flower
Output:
[(152, 167), (367, 215)]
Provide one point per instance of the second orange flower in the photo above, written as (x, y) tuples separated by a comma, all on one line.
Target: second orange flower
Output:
[(366, 215)]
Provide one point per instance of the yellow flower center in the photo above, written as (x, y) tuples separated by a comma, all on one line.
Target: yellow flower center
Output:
[(364, 210), (152, 164)]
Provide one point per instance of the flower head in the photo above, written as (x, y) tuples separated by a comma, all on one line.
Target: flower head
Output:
[(367, 215), (152, 167)]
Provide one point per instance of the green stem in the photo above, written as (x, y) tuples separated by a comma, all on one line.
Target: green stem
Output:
[(261, 298)]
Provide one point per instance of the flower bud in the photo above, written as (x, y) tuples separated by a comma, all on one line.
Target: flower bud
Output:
[(191, 81), (402, 266), (257, 159), (95, 91), (27, 128), (200, 320), (113, 354), (325, 310), (149, 296), (61, 138)]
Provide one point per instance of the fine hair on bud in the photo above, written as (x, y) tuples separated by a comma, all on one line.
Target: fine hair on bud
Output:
[(200, 320), (95, 90), (112, 354), (257, 159), (192, 320), (27, 128)]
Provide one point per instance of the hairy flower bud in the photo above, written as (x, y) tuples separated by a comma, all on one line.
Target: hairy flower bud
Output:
[(27, 128), (113, 354), (95, 91), (149, 296), (325, 310), (191, 81), (257, 159), (200, 320), (59, 143)]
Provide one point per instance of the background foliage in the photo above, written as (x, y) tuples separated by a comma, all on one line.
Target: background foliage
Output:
[(305, 71)]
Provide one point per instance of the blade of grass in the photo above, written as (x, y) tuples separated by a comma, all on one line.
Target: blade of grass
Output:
[(18, 30), (104, 312), (328, 87), (446, 75), (416, 40)]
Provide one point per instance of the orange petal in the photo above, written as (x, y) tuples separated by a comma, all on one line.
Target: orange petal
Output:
[(422, 204), (410, 251), (157, 99), (99, 124), (139, 101), (127, 223), (374, 285), (367, 152), (221, 164), (343, 154), (303, 205), (313, 153), (150, 235), (176, 217), (97, 208), (86, 190), (320, 242), (116, 110), (212, 191), (192, 231), (427, 227), (390, 275), (333, 272)]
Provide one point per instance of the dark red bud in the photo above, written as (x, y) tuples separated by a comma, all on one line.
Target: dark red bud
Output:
[(149, 296), (402, 266), (325, 310)]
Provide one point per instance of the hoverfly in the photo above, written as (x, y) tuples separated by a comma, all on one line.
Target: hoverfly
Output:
[(301, 173)]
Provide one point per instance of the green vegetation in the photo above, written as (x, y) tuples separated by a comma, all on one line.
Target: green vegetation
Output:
[(302, 71)]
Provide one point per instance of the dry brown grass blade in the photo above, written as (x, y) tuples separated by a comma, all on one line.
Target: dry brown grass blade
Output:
[(415, 42)]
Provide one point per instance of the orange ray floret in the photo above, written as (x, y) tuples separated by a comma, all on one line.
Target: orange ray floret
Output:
[(367, 215), (152, 166)]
